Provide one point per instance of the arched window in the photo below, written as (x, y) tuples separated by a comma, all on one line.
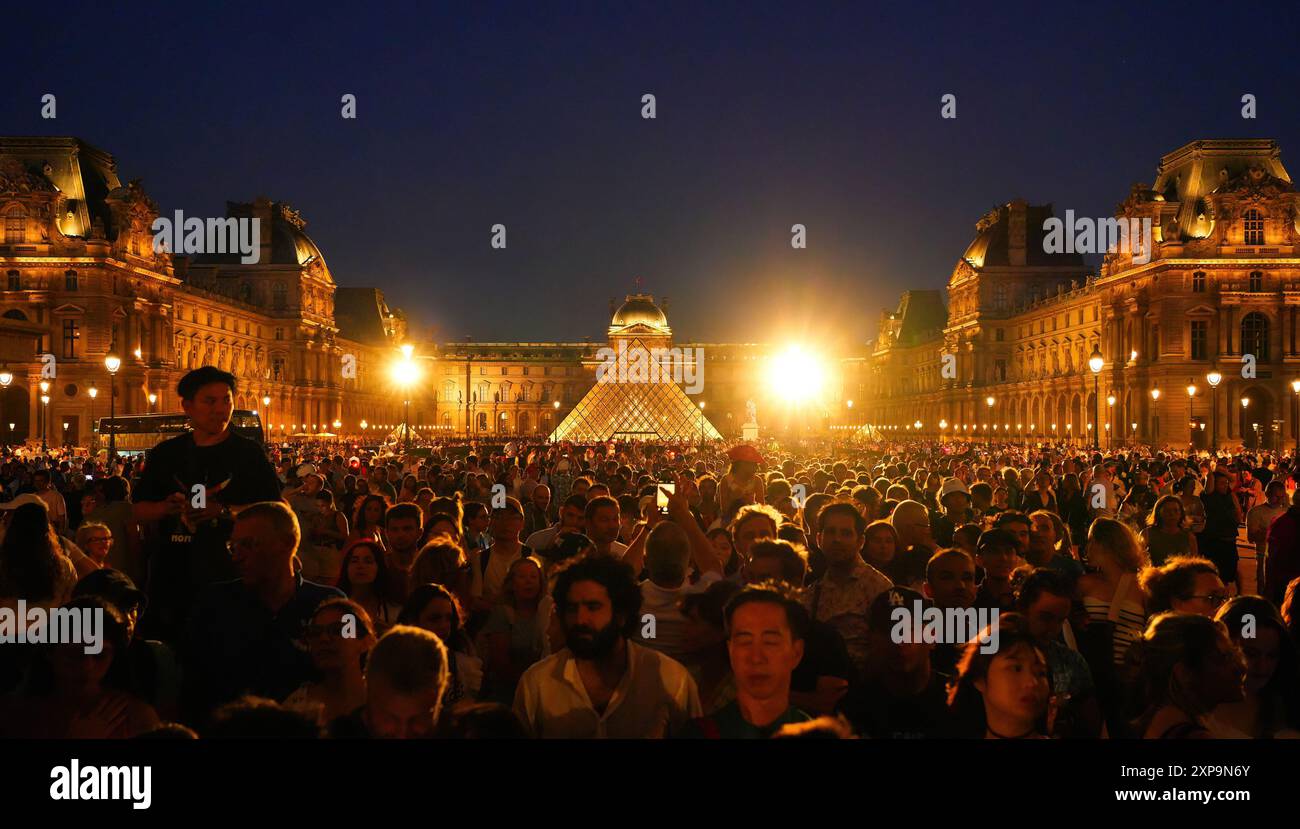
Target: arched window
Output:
[(1253, 225), (1256, 282), (15, 225), (14, 314), (1254, 336), (482, 421)]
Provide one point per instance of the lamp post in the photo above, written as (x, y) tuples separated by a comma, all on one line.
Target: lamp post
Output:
[(1245, 404), (1095, 362), (1214, 378), (1191, 424), (989, 401), (6, 377), (94, 427), (153, 398), (266, 417), (45, 413), (112, 362), (1155, 418), (1110, 418), (701, 424), (1295, 387)]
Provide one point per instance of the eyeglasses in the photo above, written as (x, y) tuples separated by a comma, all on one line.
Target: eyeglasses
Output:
[(246, 545), (1214, 599), (334, 631)]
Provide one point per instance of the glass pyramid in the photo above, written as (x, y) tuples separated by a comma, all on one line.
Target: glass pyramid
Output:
[(615, 409)]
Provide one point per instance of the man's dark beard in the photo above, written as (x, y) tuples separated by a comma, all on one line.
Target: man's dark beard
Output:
[(601, 643)]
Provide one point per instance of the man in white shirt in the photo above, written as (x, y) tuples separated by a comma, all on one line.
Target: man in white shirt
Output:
[(603, 685), (603, 523), (571, 521), (667, 561), (58, 508)]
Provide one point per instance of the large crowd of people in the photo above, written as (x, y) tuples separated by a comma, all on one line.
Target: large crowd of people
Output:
[(476, 589)]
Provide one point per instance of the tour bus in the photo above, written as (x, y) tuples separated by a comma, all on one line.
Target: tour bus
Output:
[(137, 434)]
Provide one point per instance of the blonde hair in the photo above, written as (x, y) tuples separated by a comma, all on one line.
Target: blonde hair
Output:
[(1116, 540)]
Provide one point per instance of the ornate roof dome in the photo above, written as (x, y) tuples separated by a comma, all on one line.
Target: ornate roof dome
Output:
[(639, 309)]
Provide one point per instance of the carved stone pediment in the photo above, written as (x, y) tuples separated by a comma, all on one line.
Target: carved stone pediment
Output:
[(1255, 184), (15, 178)]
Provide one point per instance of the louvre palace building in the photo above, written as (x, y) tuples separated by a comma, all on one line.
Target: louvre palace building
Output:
[(1007, 351), (1214, 298)]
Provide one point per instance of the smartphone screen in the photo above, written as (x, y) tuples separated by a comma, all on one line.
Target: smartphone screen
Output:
[(661, 496)]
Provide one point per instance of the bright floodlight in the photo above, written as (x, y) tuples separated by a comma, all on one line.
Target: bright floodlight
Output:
[(796, 375), (407, 350), (405, 373)]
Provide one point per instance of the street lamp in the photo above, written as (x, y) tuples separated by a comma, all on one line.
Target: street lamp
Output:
[(989, 401), (6, 377), (1245, 404), (1214, 378), (406, 373), (1191, 424), (1095, 362), (1155, 418), (112, 362), (45, 413), (153, 398), (701, 423), (1110, 418), (1295, 387), (94, 427)]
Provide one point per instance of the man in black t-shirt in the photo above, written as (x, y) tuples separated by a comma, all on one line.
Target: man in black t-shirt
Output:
[(901, 695), (187, 495)]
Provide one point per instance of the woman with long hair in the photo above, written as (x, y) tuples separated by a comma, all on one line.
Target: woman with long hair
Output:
[(364, 578), (338, 638), (368, 522), (1002, 695), (1183, 666), (434, 608), (1166, 534), (1271, 706), (33, 566), (1110, 592), (443, 561), (514, 637), (880, 549)]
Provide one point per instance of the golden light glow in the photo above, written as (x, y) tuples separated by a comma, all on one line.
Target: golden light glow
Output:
[(406, 373), (112, 362), (45, 386), (407, 351), (1214, 378), (796, 375)]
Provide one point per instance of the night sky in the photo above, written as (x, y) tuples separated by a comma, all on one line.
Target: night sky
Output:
[(768, 115)]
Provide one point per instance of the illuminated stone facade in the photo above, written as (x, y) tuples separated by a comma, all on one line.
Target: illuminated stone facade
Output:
[(82, 278), (1222, 281)]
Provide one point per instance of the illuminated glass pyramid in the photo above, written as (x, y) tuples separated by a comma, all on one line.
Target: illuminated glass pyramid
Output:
[(622, 406)]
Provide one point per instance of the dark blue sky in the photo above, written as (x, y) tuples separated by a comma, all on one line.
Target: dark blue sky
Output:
[(768, 115)]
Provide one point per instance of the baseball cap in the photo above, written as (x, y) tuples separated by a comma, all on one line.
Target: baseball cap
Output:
[(882, 607), (952, 485), (997, 537)]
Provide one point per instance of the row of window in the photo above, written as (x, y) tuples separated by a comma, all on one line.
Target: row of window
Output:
[(1254, 282), (71, 282)]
